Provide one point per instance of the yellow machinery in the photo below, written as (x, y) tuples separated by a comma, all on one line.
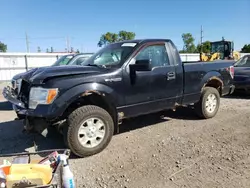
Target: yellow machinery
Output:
[(220, 50)]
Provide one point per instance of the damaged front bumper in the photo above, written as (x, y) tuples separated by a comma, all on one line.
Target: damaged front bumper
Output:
[(51, 111), (34, 119), (9, 95), (31, 116)]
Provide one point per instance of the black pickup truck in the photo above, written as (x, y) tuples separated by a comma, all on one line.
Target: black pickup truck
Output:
[(122, 80)]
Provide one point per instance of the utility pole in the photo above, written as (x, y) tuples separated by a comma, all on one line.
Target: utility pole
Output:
[(27, 42), (67, 43), (81, 49), (201, 39)]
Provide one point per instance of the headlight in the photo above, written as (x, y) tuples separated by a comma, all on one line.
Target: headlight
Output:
[(40, 95)]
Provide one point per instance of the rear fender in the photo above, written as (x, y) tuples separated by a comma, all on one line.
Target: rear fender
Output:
[(212, 76)]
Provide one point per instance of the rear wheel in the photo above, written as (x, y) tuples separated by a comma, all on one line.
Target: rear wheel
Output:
[(90, 129), (209, 103)]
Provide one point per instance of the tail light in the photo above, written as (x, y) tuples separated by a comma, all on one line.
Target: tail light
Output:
[(231, 71)]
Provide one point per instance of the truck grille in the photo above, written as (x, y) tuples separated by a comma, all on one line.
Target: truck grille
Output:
[(16, 86), (24, 92), (13, 84)]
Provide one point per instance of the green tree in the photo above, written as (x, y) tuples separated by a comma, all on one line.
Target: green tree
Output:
[(246, 48), (3, 47), (188, 40), (206, 47), (109, 37), (124, 35)]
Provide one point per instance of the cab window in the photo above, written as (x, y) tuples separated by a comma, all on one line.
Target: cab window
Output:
[(157, 55)]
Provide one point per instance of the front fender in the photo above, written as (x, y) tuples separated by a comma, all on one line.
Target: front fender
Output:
[(71, 95)]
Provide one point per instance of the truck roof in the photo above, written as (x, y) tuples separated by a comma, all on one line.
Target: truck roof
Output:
[(144, 40)]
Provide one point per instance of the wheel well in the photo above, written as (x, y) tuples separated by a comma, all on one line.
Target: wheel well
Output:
[(215, 83), (92, 99)]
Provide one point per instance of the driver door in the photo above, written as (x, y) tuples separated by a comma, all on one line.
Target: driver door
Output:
[(152, 90)]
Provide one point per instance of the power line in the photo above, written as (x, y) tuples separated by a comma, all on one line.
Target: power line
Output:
[(47, 38), (33, 38), (11, 38)]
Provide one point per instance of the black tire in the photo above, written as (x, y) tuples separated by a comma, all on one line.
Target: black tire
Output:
[(200, 107), (76, 118)]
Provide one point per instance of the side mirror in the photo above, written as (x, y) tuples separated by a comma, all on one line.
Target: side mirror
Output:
[(141, 65)]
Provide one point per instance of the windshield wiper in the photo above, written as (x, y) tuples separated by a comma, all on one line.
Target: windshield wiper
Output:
[(95, 65)]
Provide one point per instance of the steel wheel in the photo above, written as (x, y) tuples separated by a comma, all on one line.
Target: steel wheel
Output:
[(91, 132), (211, 103)]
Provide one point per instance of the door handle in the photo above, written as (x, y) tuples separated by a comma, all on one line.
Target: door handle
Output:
[(170, 75)]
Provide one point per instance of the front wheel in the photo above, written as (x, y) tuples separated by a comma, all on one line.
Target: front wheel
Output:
[(90, 129), (209, 103)]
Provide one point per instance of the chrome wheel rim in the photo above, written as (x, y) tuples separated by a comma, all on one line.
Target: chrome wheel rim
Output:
[(91, 132), (211, 103)]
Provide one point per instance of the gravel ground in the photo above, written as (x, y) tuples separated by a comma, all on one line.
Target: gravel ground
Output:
[(170, 149)]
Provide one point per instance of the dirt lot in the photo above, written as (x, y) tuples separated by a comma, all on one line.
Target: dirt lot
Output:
[(175, 151)]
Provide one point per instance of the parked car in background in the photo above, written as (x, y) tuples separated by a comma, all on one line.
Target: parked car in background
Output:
[(72, 59), (69, 59), (122, 80), (242, 74)]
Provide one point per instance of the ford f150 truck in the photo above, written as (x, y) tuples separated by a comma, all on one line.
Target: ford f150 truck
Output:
[(122, 80)]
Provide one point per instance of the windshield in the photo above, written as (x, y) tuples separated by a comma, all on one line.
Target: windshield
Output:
[(217, 47), (63, 60), (113, 55), (243, 62)]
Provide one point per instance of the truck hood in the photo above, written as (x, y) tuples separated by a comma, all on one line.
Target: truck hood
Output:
[(21, 75), (37, 76)]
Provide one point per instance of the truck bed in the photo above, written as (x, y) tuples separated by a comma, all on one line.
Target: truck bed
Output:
[(196, 73)]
